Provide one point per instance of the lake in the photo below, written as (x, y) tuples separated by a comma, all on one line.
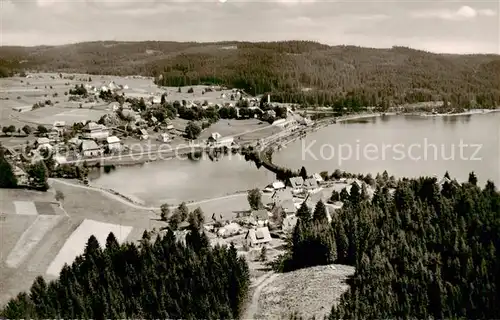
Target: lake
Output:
[(403, 145), (176, 180)]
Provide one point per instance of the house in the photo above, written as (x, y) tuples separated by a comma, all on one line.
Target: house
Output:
[(282, 195), (180, 236), (297, 184), (143, 134), (42, 143), (95, 131), (170, 127), (258, 237), (53, 134), (60, 126), (113, 143), (60, 160), (261, 216), (277, 185), (318, 178), (90, 149), (229, 230), (289, 223), (310, 185), (214, 137), (163, 137)]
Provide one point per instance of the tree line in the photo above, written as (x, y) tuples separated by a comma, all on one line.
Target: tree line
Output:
[(421, 249), (293, 71), (159, 278)]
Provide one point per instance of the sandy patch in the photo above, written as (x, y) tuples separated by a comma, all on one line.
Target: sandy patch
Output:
[(310, 292), (75, 244), (30, 238), (25, 208)]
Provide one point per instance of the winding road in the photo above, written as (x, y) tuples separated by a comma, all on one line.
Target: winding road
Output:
[(135, 205), (253, 308)]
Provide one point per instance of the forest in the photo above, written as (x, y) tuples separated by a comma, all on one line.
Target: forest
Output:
[(302, 72), (161, 278), (422, 250)]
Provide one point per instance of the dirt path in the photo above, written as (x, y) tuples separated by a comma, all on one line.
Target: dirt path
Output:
[(254, 304), (138, 206)]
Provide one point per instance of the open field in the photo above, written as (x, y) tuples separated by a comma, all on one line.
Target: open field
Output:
[(75, 244), (311, 292), (48, 115), (30, 238), (30, 243)]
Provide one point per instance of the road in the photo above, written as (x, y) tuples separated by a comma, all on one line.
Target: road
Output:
[(135, 205), (253, 308)]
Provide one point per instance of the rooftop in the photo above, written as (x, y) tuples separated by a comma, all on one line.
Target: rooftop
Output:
[(89, 145)]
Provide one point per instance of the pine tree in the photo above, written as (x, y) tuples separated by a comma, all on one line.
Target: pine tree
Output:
[(320, 213), (304, 213)]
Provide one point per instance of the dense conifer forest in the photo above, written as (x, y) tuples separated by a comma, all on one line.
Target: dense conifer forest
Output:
[(293, 71), (421, 250), (158, 279)]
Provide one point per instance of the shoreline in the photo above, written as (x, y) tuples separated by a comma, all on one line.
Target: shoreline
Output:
[(466, 113), (278, 141)]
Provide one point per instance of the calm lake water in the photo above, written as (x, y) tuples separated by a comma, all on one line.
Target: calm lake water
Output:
[(402, 145)]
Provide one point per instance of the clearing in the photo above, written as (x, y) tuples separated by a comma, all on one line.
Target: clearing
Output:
[(75, 245), (309, 292)]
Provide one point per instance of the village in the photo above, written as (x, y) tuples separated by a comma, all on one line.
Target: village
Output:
[(113, 121), (88, 121)]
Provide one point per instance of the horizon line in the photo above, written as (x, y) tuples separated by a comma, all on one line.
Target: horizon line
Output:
[(395, 46)]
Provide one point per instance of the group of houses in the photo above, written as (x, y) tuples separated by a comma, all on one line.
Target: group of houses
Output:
[(94, 140), (216, 140)]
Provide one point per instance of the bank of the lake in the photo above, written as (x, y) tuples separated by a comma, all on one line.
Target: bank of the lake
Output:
[(403, 145), (185, 180), (176, 180)]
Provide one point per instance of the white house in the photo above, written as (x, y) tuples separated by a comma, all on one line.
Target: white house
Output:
[(163, 137), (113, 143), (60, 126), (261, 216), (258, 237), (95, 131), (310, 185), (297, 184), (90, 149), (143, 134), (43, 143)]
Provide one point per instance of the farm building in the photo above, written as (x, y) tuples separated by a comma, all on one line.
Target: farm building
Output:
[(258, 237), (96, 131), (90, 149), (113, 143), (261, 216)]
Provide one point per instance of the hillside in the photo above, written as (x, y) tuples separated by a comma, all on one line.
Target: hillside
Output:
[(295, 71)]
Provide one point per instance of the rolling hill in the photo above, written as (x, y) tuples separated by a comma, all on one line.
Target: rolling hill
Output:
[(295, 71)]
